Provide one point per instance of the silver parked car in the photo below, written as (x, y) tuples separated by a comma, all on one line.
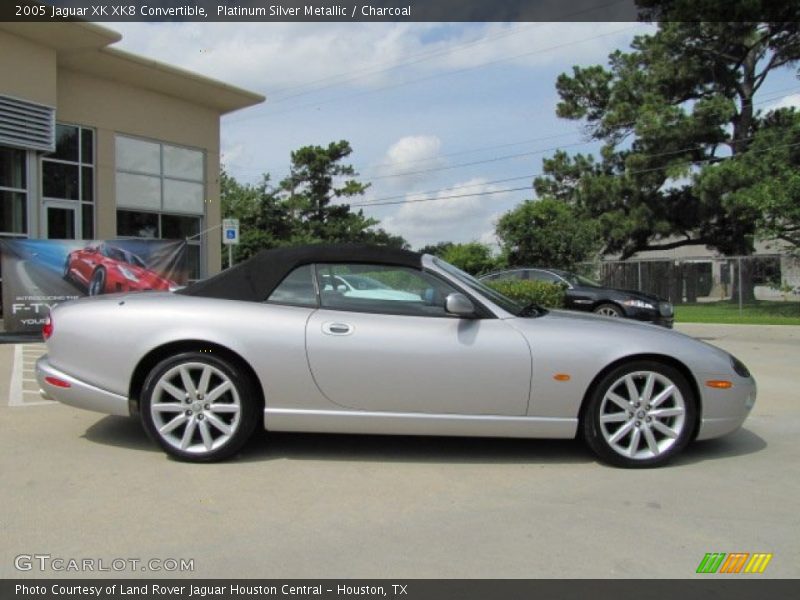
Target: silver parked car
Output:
[(272, 343)]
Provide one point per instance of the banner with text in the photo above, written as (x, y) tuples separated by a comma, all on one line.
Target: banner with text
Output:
[(38, 274)]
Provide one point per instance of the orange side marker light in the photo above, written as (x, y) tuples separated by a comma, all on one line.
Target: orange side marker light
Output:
[(720, 384), (561, 377)]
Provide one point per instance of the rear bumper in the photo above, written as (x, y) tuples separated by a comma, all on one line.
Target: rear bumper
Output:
[(77, 393)]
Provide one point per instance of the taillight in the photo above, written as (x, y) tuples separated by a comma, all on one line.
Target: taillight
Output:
[(47, 328)]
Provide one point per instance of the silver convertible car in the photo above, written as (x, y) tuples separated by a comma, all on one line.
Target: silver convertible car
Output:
[(268, 343)]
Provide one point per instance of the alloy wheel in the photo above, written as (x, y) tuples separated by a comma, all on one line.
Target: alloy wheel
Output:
[(195, 408), (642, 415)]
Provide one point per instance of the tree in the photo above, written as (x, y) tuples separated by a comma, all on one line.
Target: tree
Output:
[(437, 249), (310, 189), (547, 233), (473, 257), (765, 182), (301, 209), (680, 102)]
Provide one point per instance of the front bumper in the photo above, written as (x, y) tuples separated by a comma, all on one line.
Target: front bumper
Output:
[(725, 410), (78, 393)]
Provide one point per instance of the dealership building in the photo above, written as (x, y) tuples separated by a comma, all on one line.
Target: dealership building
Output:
[(98, 143)]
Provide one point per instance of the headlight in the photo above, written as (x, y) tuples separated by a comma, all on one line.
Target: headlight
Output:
[(639, 304), (739, 367), (128, 274)]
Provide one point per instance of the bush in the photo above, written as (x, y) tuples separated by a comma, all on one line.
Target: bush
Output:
[(549, 295)]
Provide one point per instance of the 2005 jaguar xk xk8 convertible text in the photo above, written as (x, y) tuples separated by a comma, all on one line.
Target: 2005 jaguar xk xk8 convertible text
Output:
[(357, 339)]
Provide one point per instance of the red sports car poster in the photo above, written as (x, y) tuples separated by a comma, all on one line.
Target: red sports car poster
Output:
[(38, 274)]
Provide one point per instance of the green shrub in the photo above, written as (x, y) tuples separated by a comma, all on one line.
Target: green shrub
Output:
[(550, 295)]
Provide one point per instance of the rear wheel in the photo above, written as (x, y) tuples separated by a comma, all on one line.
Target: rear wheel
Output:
[(640, 415), (199, 408)]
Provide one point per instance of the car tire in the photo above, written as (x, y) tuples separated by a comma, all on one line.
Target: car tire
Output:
[(199, 408), (641, 414), (608, 310), (97, 283)]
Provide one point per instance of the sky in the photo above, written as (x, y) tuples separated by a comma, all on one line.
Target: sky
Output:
[(448, 122)]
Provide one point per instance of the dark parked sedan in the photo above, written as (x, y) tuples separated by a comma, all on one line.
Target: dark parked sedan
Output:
[(587, 295)]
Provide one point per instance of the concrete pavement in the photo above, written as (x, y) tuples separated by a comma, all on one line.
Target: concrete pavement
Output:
[(82, 485)]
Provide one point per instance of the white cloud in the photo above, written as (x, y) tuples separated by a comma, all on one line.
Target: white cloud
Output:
[(291, 59), (792, 101), (452, 214), (409, 156)]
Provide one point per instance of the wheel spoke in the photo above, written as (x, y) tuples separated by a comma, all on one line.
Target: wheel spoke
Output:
[(663, 395), (633, 393), (218, 391), (206, 435), (651, 440), (634, 444), (619, 400), (647, 393), (186, 379), (620, 433), (667, 431), (177, 421), (216, 422), (188, 433), (168, 407), (663, 413), (614, 417), (219, 407), (205, 377), (172, 390)]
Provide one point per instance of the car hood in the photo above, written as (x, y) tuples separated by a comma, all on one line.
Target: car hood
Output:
[(589, 334)]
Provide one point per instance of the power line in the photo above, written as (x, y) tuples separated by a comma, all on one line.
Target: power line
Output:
[(436, 76), (635, 172)]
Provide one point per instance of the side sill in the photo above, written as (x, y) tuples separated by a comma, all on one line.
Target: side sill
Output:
[(390, 423)]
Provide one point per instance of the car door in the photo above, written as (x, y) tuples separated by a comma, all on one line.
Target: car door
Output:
[(399, 351)]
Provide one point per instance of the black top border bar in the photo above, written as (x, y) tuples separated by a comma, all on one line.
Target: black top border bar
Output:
[(397, 10)]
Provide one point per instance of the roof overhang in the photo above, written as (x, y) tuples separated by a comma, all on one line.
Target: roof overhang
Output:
[(84, 47)]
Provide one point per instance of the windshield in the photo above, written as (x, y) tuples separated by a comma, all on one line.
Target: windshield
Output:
[(502, 301)]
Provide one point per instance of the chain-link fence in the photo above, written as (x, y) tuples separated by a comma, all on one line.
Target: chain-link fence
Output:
[(740, 279)]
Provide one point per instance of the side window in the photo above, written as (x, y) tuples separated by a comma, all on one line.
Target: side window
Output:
[(297, 288), (543, 276), (508, 276), (382, 289)]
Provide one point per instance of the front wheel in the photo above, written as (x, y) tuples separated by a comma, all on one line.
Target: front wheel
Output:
[(608, 310), (199, 408), (641, 414), (97, 284)]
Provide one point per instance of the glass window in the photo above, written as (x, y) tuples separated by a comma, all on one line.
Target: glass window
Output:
[(537, 275), (137, 224), (138, 191), (66, 143), (12, 168), (87, 146), (297, 288), (174, 227), (13, 212), (60, 180), (183, 196), (138, 155), (87, 223), (183, 163), (193, 260), (382, 289)]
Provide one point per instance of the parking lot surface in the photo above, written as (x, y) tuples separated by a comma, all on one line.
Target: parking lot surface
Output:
[(81, 485)]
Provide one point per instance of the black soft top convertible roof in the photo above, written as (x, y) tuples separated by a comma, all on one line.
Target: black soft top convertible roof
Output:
[(254, 279)]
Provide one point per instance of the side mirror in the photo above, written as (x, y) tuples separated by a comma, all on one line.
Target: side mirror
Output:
[(459, 305)]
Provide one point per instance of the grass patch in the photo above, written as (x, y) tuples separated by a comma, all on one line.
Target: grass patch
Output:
[(760, 313)]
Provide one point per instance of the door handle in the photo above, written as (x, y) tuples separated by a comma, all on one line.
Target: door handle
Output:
[(337, 328)]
